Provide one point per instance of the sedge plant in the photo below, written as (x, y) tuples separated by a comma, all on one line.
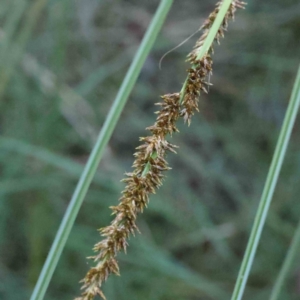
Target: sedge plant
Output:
[(150, 159), (267, 195)]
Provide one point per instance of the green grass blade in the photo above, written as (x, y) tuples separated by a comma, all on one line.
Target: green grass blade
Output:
[(287, 264), (268, 191), (95, 157)]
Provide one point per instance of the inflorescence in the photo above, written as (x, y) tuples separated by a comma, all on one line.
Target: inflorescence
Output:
[(150, 162)]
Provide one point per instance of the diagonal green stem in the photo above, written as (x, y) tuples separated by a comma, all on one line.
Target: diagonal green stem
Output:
[(96, 155), (210, 37), (269, 188), (207, 44), (287, 264), (214, 29)]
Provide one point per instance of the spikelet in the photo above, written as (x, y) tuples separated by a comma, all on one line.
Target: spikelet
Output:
[(150, 163)]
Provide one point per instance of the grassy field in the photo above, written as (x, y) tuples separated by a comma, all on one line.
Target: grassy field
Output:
[(61, 65)]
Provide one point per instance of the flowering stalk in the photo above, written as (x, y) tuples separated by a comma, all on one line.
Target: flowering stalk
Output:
[(150, 162)]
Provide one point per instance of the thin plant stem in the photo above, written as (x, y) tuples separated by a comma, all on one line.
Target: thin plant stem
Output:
[(203, 50), (214, 29), (96, 155), (210, 38), (268, 191), (287, 264), (207, 44)]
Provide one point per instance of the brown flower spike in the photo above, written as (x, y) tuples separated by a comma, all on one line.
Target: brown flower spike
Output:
[(150, 162)]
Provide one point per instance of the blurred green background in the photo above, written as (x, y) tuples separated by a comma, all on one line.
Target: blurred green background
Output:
[(61, 64)]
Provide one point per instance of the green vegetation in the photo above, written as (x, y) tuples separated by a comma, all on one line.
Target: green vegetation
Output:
[(61, 65), (268, 193)]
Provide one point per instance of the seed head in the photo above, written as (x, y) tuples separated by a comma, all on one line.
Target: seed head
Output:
[(150, 161)]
